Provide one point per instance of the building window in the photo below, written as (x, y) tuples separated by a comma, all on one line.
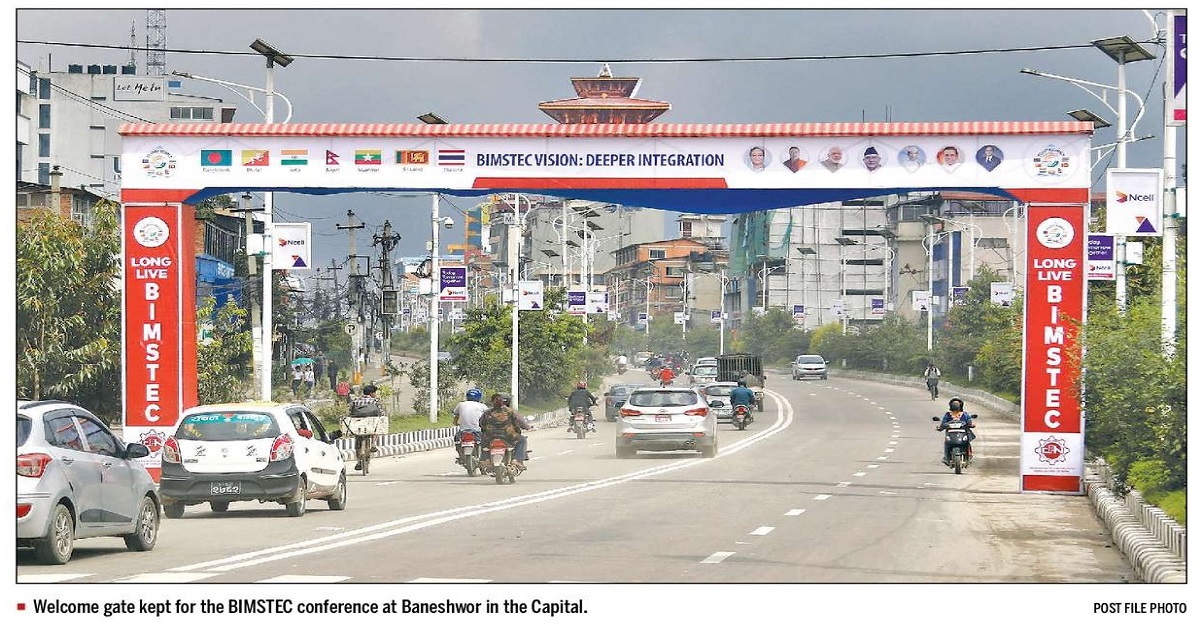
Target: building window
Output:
[(191, 113), (674, 293), (116, 165), (44, 174), (658, 253), (43, 145), (993, 243), (81, 211), (44, 89), (685, 229), (43, 116), (675, 271)]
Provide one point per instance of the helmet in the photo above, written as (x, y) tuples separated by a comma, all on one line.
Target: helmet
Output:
[(581, 384), (956, 404), (369, 389), (501, 399), (474, 394)]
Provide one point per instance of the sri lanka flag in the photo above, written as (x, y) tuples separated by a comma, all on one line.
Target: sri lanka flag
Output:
[(369, 157)]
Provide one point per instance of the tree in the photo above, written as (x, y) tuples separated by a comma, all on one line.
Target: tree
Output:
[(223, 357), (68, 310)]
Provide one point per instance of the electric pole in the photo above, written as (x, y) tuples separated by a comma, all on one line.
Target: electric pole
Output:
[(356, 300), (390, 303)]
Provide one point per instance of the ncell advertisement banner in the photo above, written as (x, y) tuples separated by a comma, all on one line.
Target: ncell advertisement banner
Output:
[(1101, 257), (291, 248), (1052, 421), (1135, 201), (159, 379)]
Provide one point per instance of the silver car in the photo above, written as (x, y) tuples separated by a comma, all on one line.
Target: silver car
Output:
[(717, 394), (810, 366), (76, 480), (666, 419)]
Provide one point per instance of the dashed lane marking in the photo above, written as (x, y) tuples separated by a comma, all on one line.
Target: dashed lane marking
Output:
[(49, 578), (859, 474), (716, 557), (822, 497), (795, 512), (843, 484), (762, 531), (293, 578), (448, 580), (168, 577)]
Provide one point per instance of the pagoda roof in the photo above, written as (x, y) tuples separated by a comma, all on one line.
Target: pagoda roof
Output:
[(604, 103)]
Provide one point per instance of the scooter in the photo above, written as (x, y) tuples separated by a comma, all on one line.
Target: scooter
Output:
[(468, 452), (960, 443), (741, 416), (499, 462), (620, 369)]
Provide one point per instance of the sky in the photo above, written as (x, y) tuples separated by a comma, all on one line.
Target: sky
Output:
[(496, 65)]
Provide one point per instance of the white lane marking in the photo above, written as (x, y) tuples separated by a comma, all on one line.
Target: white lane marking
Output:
[(843, 484), (387, 483), (762, 531), (822, 497), (894, 443), (448, 473), (889, 450), (887, 493), (563, 453), (859, 474), (418, 522), (795, 512), (872, 466), (292, 578), (329, 528), (168, 577), (881, 458), (448, 580), (49, 578), (717, 557)]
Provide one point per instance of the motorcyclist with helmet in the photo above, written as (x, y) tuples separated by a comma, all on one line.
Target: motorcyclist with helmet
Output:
[(467, 414), (581, 397), (740, 395), (956, 413), (363, 406), (501, 421)]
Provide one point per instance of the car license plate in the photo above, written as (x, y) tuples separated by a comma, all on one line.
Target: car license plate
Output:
[(225, 488), (662, 418)]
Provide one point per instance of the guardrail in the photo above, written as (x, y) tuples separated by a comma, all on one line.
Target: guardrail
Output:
[(1153, 542), (435, 438)]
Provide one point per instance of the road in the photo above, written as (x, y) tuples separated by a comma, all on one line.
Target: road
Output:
[(836, 481)]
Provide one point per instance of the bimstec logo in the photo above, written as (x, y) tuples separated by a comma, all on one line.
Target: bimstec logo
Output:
[(1051, 162), (1052, 450), (153, 440), (151, 232), (1055, 233), (158, 163)]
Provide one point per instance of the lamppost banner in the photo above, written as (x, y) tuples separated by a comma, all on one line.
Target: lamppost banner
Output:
[(1002, 293), (715, 317), (797, 312), (453, 283), (597, 303), (292, 245), (877, 306), (576, 302), (1135, 201), (529, 295), (920, 300), (1101, 258), (1177, 108)]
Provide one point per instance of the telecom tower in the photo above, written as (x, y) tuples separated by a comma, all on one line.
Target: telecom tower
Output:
[(156, 42)]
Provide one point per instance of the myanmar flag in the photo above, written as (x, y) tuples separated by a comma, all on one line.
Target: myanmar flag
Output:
[(370, 157)]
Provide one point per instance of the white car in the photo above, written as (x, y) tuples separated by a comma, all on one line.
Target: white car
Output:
[(717, 394), (810, 366), (268, 452), (702, 374), (666, 419)]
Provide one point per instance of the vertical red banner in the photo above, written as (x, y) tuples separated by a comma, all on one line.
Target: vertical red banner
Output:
[(1052, 422), (156, 262)]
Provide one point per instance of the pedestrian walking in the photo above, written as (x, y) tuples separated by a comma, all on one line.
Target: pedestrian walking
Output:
[(310, 379), (297, 379), (319, 367), (333, 371)]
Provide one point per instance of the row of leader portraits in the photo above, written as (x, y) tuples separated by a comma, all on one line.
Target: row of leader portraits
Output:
[(910, 157)]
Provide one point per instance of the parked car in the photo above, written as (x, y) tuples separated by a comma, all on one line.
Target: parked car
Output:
[(810, 366), (269, 452), (444, 356), (76, 480), (614, 398), (666, 419), (717, 394), (702, 374)]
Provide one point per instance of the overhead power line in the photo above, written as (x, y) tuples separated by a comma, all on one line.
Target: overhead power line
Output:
[(631, 60)]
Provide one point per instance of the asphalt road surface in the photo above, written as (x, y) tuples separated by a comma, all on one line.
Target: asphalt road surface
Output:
[(836, 481)]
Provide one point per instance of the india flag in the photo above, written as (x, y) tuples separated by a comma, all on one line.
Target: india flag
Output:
[(293, 157)]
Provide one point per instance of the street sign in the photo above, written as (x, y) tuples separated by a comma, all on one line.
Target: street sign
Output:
[(351, 328), (679, 318)]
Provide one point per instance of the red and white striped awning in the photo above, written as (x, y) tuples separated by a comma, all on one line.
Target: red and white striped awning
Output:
[(797, 129)]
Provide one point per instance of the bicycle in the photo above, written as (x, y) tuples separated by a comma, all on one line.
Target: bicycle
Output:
[(363, 447)]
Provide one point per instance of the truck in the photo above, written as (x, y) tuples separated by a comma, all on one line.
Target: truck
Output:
[(732, 367)]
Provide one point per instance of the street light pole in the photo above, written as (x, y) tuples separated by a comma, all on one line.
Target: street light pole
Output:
[(435, 309), (515, 254)]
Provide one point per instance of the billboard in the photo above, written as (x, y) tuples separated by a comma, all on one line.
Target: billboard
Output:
[(1134, 201), (291, 245)]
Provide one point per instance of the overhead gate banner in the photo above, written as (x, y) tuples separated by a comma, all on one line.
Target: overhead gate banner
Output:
[(1052, 420)]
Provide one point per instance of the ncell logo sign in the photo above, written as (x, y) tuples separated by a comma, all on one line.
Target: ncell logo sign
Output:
[(1122, 197)]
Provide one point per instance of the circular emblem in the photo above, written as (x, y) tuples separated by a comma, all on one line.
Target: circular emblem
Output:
[(151, 232), (1052, 450), (158, 163), (1055, 233), (153, 440)]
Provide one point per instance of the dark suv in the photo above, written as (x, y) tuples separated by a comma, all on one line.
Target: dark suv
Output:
[(616, 397)]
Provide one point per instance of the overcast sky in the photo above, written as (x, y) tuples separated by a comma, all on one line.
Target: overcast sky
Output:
[(960, 87)]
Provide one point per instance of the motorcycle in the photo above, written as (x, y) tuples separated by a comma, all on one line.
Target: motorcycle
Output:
[(579, 423), (499, 462), (959, 441), (741, 416), (620, 369), (468, 453)]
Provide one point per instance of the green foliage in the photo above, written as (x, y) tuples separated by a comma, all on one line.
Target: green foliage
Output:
[(68, 335), (773, 336), (223, 362), (418, 376)]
